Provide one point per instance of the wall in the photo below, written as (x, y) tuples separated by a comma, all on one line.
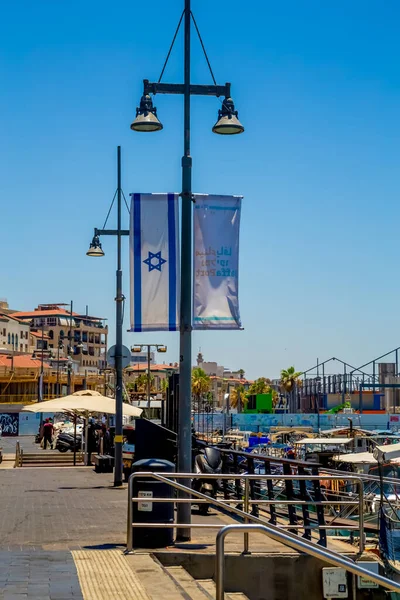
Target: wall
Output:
[(256, 422), (20, 330)]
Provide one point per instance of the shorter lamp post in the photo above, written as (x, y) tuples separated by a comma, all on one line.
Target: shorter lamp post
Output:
[(159, 348)]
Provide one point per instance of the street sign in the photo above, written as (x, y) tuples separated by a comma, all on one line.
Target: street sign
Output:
[(126, 357)]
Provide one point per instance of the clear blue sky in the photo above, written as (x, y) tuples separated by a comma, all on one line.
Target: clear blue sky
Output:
[(317, 86)]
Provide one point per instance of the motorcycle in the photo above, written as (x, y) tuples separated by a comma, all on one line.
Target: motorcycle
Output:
[(65, 442), (209, 461)]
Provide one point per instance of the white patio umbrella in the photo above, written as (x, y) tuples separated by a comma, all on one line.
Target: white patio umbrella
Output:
[(83, 403)]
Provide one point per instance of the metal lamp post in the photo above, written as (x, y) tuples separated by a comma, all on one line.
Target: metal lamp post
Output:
[(96, 250), (228, 124)]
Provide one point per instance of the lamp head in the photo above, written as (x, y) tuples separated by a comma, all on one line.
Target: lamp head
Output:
[(228, 122), (95, 248), (146, 116)]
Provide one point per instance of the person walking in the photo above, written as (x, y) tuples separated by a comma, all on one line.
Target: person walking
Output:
[(47, 433)]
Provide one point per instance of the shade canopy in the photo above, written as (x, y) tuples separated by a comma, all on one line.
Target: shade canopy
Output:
[(387, 453), (84, 401)]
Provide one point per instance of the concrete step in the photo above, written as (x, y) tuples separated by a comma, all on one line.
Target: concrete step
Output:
[(50, 459), (153, 576), (187, 585), (209, 586)]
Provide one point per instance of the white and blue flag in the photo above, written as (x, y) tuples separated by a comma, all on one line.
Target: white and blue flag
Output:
[(154, 262)]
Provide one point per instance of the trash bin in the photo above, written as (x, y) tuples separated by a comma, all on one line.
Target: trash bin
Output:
[(152, 512)]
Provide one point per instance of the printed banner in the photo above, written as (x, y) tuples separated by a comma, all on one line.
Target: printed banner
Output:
[(154, 262), (216, 262)]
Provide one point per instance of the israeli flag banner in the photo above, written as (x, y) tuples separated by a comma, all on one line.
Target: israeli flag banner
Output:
[(216, 222), (154, 262)]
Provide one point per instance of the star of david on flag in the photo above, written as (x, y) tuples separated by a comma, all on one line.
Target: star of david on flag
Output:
[(154, 262), (152, 265)]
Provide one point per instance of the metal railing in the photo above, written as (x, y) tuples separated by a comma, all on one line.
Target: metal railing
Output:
[(224, 505), (301, 545), (18, 455)]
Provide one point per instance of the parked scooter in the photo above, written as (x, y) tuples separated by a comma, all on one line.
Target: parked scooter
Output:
[(65, 442), (209, 461)]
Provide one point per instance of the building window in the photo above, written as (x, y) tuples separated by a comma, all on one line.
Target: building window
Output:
[(4, 332), (12, 340), (9, 339), (26, 347), (21, 347), (62, 333), (51, 334), (51, 321)]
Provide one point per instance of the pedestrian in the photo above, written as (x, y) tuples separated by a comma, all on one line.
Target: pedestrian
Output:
[(92, 440), (47, 433)]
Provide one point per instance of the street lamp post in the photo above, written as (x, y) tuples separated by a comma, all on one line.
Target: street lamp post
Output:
[(139, 348), (227, 123), (96, 250)]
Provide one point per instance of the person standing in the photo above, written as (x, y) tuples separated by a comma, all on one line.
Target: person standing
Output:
[(47, 433)]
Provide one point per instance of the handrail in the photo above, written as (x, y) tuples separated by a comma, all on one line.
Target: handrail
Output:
[(296, 543), (17, 455), (364, 476), (225, 506), (271, 459)]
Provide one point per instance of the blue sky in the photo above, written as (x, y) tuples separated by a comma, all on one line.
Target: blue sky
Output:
[(317, 86)]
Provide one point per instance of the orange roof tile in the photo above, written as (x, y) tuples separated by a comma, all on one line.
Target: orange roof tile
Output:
[(38, 334), (40, 313), (143, 367), (22, 361)]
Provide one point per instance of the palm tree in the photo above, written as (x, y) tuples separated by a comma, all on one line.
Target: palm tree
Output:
[(238, 397), (141, 383), (201, 384), (290, 380), (260, 386), (241, 373)]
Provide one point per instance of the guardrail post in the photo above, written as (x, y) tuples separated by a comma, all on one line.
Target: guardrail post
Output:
[(253, 487), (306, 512), (129, 533), (320, 509), (361, 515), (270, 489), (290, 496), (246, 510), (220, 565), (238, 487)]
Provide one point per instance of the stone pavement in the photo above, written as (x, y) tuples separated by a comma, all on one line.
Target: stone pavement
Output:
[(63, 530), (45, 514), (38, 575)]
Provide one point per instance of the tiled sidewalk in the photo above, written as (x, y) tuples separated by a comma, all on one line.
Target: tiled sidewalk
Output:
[(38, 575)]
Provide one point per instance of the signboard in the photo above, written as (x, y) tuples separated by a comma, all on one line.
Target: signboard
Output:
[(334, 581), (216, 223), (363, 583), (126, 357), (145, 506)]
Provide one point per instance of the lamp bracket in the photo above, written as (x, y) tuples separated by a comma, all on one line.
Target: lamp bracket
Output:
[(179, 88), (110, 231)]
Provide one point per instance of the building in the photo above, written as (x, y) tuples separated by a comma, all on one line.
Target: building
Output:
[(140, 358), (14, 334), (81, 336), (159, 372), (223, 380)]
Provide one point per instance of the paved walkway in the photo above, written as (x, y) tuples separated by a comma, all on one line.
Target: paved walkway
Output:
[(62, 533)]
